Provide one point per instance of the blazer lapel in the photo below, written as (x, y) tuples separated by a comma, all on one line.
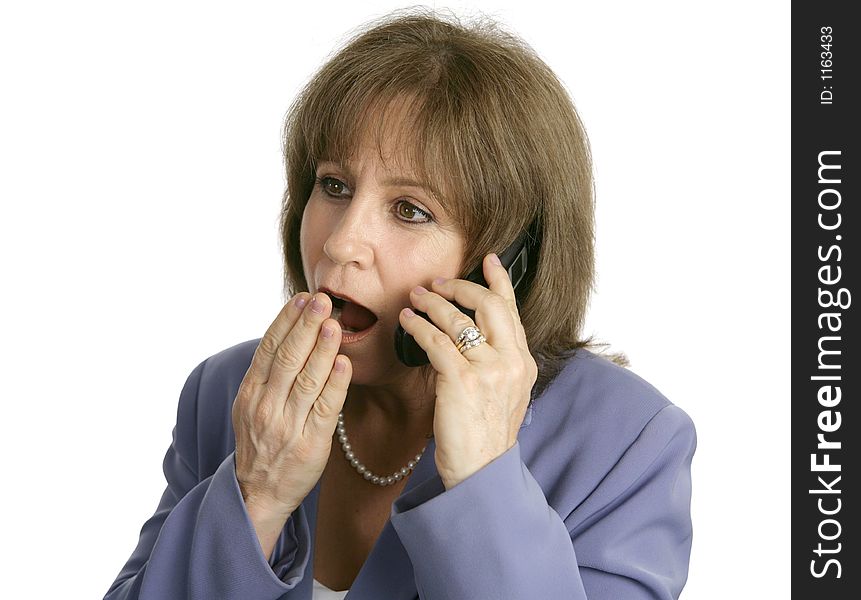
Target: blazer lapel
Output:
[(388, 571)]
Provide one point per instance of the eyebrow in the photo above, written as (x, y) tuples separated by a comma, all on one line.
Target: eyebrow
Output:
[(392, 181), (406, 182)]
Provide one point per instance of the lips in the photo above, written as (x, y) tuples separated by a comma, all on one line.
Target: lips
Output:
[(339, 298)]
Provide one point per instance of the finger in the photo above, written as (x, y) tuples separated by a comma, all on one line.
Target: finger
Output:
[(443, 355), (313, 376), (264, 355), (323, 416), (492, 313), (498, 279), (448, 319), (257, 375), (294, 351), (500, 282)]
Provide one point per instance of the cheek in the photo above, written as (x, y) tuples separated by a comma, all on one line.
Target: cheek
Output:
[(308, 244), (420, 265), (310, 230), (448, 257)]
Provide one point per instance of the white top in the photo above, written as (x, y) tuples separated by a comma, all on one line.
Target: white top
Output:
[(321, 592)]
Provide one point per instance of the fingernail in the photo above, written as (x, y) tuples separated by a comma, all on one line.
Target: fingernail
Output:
[(409, 312), (440, 280), (420, 290), (327, 332), (495, 259), (316, 305), (340, 365), (301, 301)]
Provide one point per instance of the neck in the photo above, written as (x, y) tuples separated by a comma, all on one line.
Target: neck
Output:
[(388, 424), (392, 409)]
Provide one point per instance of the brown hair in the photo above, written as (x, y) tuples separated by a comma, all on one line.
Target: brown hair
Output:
[(493, 133)]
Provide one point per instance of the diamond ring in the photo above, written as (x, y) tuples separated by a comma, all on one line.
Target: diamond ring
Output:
[(469, 338)]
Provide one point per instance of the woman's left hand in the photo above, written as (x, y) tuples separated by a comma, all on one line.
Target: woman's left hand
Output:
[(481, 394)]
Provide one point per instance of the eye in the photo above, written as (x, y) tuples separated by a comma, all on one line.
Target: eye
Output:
[(405, 211), (331, 186), (410, 210)]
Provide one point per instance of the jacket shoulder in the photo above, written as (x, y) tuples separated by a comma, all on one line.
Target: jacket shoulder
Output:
[(587, 419), (591, 389)]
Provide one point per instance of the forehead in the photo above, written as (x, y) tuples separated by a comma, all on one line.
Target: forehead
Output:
[(392, 168), (386, 143), (385, 135)]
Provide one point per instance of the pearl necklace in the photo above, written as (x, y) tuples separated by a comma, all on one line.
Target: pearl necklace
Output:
[(363, 470)]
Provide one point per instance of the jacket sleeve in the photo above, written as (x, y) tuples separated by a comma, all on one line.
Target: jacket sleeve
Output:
[(494, 535), (200, 543)]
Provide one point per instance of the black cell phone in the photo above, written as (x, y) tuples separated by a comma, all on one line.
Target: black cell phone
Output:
[(515, 259)]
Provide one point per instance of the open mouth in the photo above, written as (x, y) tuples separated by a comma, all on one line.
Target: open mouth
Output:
[(353, 317)]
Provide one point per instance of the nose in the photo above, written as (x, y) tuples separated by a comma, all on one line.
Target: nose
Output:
[(351, 239)]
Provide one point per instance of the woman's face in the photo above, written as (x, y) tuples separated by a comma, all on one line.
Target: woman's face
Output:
[(370, 235)]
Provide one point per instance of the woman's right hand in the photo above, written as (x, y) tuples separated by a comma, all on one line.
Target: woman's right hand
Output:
[(286, 410)]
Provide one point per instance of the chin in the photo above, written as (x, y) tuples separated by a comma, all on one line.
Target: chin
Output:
[(371, 375), (368, 360), (371, 367)]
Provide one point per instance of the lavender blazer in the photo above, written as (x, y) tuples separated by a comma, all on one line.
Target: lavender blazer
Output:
[(593, 501)]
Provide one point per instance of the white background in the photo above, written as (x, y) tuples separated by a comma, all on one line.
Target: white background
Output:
[(141, 181)]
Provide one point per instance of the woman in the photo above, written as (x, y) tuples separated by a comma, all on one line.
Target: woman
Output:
[(516, 463)]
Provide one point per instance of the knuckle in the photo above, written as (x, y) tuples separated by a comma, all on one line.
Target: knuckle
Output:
[(336, 389), (305, 384), (288, 357), (336, 386), (495, 301), (460, 321), (268, 345), (310, 324), (324, 410), (440, 339), (340, 385)]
